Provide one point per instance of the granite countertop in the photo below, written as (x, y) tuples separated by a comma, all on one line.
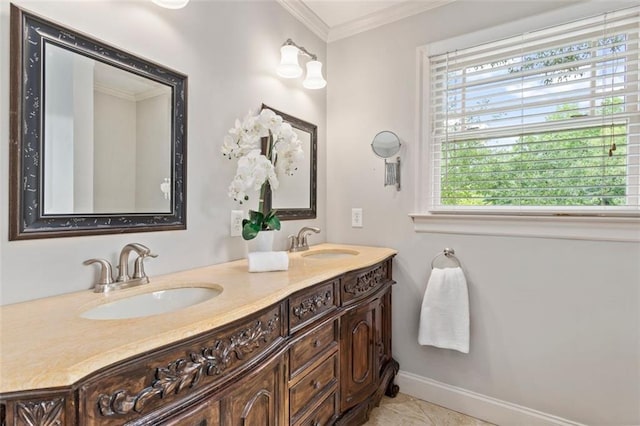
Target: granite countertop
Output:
[(45, 343)]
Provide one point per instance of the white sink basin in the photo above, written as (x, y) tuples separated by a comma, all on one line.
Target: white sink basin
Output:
[(147, 304), (330, 254)]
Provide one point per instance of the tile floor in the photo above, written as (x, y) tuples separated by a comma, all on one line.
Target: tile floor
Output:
[(404, 410)]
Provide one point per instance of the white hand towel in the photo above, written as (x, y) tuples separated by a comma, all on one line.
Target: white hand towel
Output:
[(264, 261), (444, 318)]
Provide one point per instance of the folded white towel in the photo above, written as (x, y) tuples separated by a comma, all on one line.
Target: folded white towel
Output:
[(444, 318), (264, 261)]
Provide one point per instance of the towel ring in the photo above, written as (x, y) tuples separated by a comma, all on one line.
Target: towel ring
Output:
[(449, 253)]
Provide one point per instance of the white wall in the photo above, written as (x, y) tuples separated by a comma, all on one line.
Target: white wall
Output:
[(68, 126), (59, 128), (82, 134), (555, 324), (114, 158), (230, 51), (153, 152)]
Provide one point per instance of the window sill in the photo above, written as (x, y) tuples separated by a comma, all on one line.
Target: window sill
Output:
[(590, 228)]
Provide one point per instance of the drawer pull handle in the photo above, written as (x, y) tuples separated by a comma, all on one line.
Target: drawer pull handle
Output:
[(316, 384), (316, 343)]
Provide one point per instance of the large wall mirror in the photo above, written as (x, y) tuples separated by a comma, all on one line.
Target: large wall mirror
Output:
[(98, 136), (296, 194)]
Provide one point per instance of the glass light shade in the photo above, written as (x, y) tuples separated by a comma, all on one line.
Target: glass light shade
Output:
[(171, 4), (314, 78), (289, 67)]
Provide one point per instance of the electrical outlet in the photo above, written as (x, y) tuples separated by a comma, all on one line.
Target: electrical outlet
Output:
[(236, 222), (356, 218)]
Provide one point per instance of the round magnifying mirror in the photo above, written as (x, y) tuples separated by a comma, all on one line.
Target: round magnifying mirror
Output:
[(386, 144)]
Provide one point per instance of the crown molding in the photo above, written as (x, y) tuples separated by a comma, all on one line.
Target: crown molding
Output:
[(113, 91), (383, 17), (128, 95), (304, 14)]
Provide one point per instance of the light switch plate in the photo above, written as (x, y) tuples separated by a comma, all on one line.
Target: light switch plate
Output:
[(236, 222), (356, 218)]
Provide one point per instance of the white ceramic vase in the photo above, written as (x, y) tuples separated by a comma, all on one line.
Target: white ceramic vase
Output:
[(262, 242)]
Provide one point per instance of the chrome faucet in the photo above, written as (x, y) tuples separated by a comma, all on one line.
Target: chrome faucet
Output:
[(106, 278), (105, 282), (300, 242), (138, 272)]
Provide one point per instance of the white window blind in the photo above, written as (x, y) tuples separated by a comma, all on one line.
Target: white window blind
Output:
[(545, 122)]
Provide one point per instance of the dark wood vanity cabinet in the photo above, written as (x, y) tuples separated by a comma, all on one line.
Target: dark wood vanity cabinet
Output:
[(258, 399), (320, 357), (358, 349), (365, 343)]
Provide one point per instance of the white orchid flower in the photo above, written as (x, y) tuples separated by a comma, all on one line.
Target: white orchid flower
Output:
[(254, 169)]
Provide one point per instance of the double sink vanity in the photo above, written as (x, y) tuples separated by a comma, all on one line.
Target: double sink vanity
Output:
[(210, 346)]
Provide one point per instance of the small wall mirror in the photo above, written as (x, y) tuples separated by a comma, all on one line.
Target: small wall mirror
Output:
[(385, 145), (296, 195), (98, 138)]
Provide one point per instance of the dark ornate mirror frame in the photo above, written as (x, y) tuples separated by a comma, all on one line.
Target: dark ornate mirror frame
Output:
[(299, 213), (26, 214)]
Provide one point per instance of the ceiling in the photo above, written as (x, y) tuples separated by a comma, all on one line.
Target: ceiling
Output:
[(335, 19), (336, 12)]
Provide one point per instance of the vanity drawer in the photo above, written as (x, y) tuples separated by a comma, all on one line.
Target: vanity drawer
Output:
[(321, 340), (320, 381), (359, 284), (307, 305), (324, 414), (206, 413), (178, 372)]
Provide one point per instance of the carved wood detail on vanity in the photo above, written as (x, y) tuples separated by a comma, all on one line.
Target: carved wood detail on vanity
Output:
[(321, 355), (180, 372), (41, 413), (186, 373), (358, 285), (311, 305)]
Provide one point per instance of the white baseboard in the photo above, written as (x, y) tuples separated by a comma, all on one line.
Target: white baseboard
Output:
[(474, 404)]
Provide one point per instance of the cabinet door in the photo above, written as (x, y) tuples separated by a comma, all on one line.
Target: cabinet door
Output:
[(258, 399), (359, 360)]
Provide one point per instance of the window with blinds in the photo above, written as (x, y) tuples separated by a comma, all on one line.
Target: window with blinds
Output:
[(545, 122)]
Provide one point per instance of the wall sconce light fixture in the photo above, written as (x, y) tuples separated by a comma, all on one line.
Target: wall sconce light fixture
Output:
[(289, 67), (171, 4)]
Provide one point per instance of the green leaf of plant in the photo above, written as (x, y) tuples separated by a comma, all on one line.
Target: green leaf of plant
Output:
[(256, 217), (250, 230), (269, 215), (273, 223)]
